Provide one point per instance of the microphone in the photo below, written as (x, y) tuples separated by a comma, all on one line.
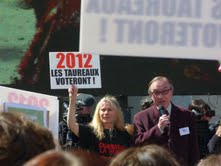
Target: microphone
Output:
[(162, 110)]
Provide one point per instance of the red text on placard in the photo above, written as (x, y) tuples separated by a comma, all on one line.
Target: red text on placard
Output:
[(28, 100), (71, 60)]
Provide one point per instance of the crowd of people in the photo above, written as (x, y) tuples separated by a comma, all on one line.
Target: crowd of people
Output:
[(162, 133)]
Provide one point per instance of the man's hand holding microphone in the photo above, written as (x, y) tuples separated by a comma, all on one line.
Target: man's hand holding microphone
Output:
[(164, 119)]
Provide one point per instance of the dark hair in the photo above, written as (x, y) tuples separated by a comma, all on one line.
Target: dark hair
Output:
[(197, 105), (21, 139), (75, 157), (53, 157), (148, 155), (200, 108), (145, 103)]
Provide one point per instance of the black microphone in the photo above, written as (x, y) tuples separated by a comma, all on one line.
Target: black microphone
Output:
[(162, 110)]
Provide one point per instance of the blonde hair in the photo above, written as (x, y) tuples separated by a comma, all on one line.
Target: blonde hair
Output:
[(211, 160), (96, 123)]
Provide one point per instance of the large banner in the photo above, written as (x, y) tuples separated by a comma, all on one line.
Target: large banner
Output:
[(80, 69), (29, 103), (152, 28)]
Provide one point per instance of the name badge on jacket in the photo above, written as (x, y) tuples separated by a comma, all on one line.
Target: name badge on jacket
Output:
[(184, 131)]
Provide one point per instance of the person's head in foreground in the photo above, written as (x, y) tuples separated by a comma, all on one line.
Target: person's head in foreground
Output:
[(21, 139), (148, 155), (211, 160), (75, 157)]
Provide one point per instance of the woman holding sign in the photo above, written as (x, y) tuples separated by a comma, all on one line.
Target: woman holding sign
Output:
[(106, 133)]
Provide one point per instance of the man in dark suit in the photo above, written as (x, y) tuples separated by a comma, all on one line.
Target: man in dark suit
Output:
[(167, 124)]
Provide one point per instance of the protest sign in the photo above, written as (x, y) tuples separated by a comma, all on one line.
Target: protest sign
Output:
[(152, 28), (80, 69), (36, 114), (26, 101)]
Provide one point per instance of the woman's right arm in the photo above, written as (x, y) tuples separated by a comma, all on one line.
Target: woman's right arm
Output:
[(71, 119)]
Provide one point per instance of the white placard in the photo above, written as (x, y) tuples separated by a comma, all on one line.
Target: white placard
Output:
[(49, 103), (74, 68), (152, 28)]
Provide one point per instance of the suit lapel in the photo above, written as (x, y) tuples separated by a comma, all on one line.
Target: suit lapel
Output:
[(156, 114)]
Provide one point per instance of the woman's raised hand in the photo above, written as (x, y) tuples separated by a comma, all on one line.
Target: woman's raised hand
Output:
[(73, 90)]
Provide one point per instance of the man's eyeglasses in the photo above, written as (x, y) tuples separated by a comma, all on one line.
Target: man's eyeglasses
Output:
[(164, 92)]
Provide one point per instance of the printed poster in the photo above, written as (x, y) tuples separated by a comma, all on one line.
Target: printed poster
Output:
[(35, 114), (74, 68), (188, 29)]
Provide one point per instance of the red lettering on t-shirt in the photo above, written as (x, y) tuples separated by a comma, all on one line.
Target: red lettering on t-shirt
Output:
[(110, 149)]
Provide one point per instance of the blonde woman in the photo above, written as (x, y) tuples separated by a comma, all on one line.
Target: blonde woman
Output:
[(210, 160), (106, 133)]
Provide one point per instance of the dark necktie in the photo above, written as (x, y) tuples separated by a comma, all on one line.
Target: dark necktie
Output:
[(167, 128), (163, 111), (166, 112)]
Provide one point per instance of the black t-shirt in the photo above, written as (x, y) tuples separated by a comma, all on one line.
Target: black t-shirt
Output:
[(204, 135), (63, 129), (67, 138), (114, 141)]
